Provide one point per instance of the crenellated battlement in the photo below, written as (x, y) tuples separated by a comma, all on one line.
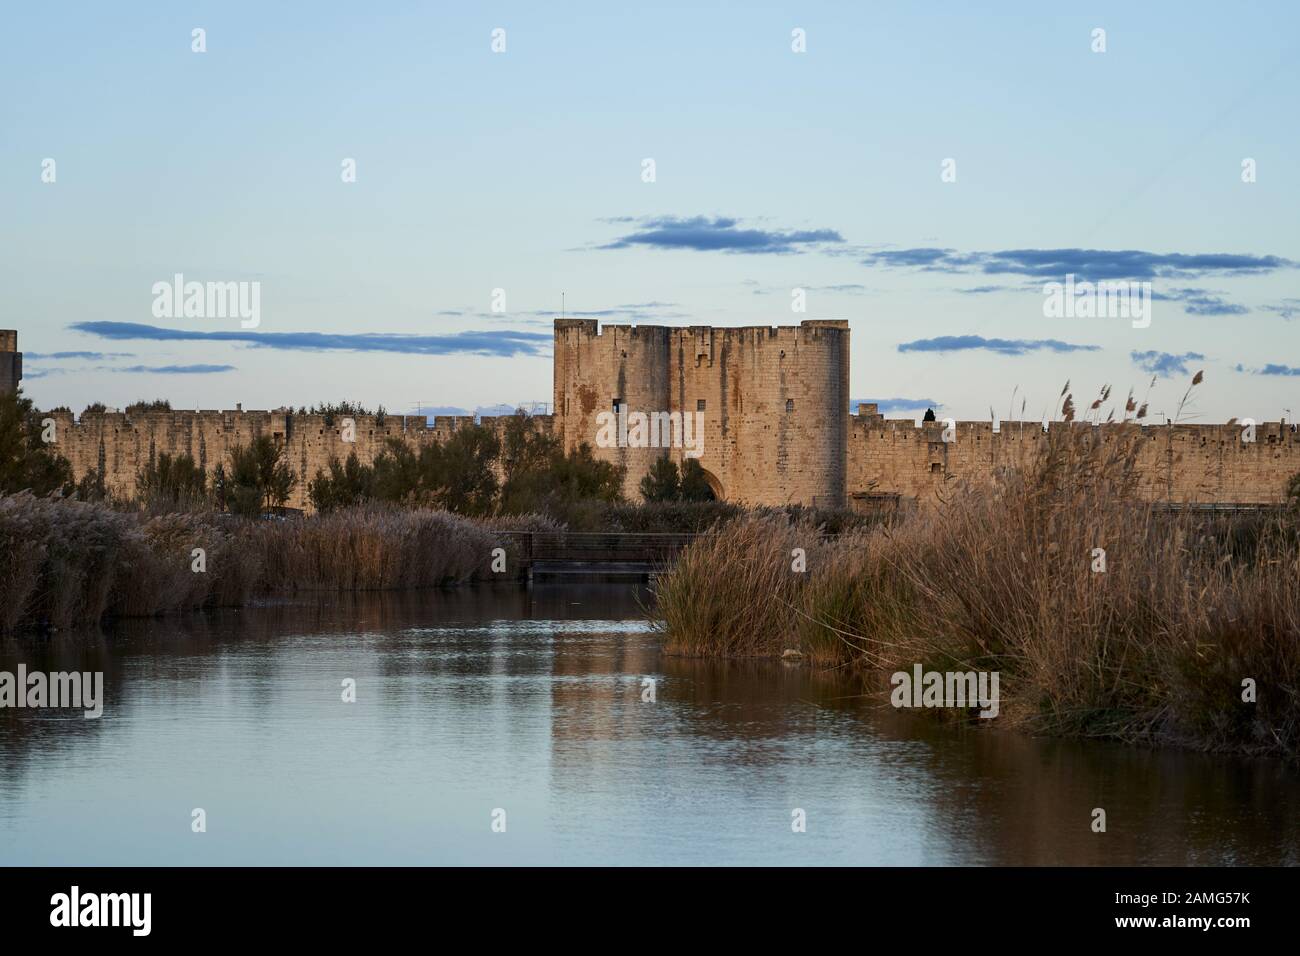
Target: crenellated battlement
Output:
[(1188, 462)]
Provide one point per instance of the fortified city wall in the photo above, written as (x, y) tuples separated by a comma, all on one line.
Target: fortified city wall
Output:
[(774, 403)]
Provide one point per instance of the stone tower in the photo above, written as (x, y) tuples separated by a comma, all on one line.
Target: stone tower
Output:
[(11, 361), (597, 370), (773, 402)]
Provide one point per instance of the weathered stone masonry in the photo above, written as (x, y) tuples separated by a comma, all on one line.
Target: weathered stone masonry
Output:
[(775, 401), (120, 445), (11, 361), (1179, 463), (777, 428)]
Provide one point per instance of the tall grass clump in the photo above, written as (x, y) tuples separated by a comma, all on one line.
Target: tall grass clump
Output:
[(1105, 615), (373, 547), (23, 542), (1154, 647), (65, 562), (733, 593), (158, 566), (62, 557)]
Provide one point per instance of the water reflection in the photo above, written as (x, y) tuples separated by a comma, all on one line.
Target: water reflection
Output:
[(530, 700)]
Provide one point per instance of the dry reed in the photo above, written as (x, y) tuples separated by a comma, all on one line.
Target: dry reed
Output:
[(65, 563), (1156, 647)]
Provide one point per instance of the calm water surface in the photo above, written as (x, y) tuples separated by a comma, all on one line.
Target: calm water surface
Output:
[(530, 701)]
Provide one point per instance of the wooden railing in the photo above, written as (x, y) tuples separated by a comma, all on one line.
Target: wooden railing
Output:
[(600, 547)]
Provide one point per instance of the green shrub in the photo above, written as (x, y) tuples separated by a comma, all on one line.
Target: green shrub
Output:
[(26, 462)]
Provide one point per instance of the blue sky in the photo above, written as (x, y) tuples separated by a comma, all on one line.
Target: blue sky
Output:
[(522, 171)]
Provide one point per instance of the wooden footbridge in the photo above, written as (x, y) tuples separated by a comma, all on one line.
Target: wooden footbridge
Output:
[(610, 556)]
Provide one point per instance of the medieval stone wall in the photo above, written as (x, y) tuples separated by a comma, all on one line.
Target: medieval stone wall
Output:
[(119, 445), (1181, 463), (776, 427)]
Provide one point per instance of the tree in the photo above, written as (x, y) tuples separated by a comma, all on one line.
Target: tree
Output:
[(26, 462), (169, 480), (579, 476), (665, 483), (695, 483), (526, 455), (332, 411), (221, 486), (145, 405), (347, 484), (91, 486), (661, 483), (525, 448), (456, 475), (259, 478), (460, 476), (397, 473), (540, 475), (1293, 492)]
